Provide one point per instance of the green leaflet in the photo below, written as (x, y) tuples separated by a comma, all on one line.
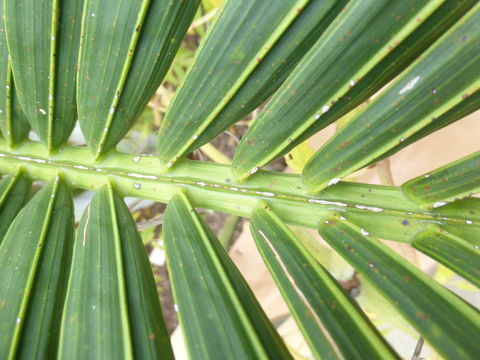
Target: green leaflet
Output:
[(325, 313), (451, 251), (34, 262), (112, 309), (352, 48), (14, 190), (393, 64), (432, 309), (450, 182), (272, 70), (466, 107), (240, 39), (14, 126), (220, 317), (43, 38), (434, 84), (127, 48)]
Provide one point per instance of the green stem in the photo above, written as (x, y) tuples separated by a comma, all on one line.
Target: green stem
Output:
[(380, 209)]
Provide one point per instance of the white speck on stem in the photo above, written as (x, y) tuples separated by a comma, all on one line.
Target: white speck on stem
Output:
[(326, 202), (427, 175), (317, 116), (343, 218), (469, 222), (371, 208), (175, 306), (364, 232), (141, 176), (112, 110), (18, 321), (410, 85), (169, 164), (137, 186), (202, 184), (325, 109), (265, 193), (439, 204), (136, 159), (42, 111), (195, 137), (371, 265), (353, 82), (253, 171), (333, 181)]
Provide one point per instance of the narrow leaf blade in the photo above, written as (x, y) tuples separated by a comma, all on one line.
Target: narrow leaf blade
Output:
[(34, 263), (12, 120), (431, 87), (43, 39), (112, 308), (331, 322), (13, 195), (218, 312), (273, 69), (451, 182), (222, 65), (128, 46), (451, 251), (432, 309)]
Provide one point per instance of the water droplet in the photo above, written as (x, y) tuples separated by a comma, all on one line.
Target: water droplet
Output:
[(434, 91), (19, 320), (137, 158), (254, 170), (137, 186)]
